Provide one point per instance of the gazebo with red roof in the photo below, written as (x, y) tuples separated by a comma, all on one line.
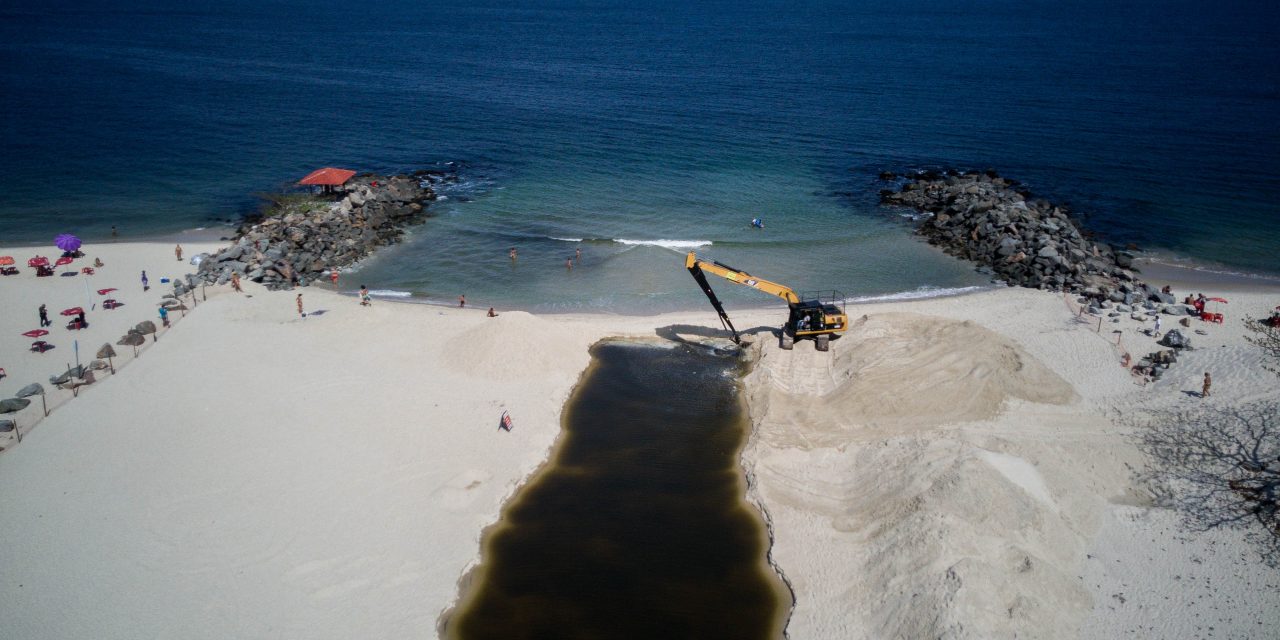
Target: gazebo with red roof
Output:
[(327, 177)]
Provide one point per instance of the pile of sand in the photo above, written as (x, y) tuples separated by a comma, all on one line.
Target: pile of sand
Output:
[(896, 372), (486, 350)]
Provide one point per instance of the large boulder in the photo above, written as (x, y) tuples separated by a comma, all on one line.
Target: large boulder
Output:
[(1175, 340)]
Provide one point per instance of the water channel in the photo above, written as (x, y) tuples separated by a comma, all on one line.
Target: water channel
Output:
[(637, 527)]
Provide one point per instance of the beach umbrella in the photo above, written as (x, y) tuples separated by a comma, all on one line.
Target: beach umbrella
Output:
[(66, 376), (35, 333), (98, 365), (63, 260), (67, 242), (145, 327), (73, 311), (38, 261), (14, 405), (103, 292), (34, 389), (132, 339), (6, 261), (107, 352)]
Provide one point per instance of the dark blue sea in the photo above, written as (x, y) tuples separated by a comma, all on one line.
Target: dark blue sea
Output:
[(636, 131)]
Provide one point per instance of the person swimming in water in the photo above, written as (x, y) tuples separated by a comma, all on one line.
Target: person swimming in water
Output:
[(757, 223)]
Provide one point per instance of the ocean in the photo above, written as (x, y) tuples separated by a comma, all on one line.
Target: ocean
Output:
[(639, 131)]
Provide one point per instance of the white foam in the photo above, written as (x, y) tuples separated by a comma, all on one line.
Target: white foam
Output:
[(390, 293), (917, 294), (667, 244), (567, 239)]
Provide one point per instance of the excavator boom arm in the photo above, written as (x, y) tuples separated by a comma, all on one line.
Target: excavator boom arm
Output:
[(691, 262)]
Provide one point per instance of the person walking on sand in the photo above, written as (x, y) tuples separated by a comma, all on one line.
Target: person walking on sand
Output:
[(364, 296), (44, 316), (146, 284), (462, 301), (300, 311), (235, 282), (1208, 382), (177, 251), (1156, 332), (164, 317)]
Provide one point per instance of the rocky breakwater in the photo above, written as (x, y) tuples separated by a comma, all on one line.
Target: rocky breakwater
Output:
[(1025, 241), (301, 237)]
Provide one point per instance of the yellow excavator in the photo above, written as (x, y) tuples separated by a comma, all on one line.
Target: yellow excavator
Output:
[(816, 315)]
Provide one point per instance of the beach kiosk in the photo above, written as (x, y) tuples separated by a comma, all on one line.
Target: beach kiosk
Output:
[(327, 178)]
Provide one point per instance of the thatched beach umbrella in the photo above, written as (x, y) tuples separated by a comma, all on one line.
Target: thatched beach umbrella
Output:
[(34, 389), (98, 365), (147, 327), (66, 376), (107, 352), (132, 339), (14, 405)]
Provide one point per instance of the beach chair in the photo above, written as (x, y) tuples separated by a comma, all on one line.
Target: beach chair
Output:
[(40, 346), (75, 325), (8, 271), (44, 271), (110, 303)]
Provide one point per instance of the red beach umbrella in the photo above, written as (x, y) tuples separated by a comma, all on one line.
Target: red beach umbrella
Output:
[(6, 261), (1222, 300), (62, 261), (38, 261), (103, 292), (35, 333), (73, 311)]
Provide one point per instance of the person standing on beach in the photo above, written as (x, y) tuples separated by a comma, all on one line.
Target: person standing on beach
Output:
[(146, 284), (1156, 333), (333, 276), (300, 311), (235, 281), (364, 296), (113, 232), (44, 316), (1208, 382), (164, 316), (462, 301), (177, 251)]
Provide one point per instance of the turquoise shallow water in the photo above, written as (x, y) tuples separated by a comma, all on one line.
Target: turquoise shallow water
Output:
[(671, 121)]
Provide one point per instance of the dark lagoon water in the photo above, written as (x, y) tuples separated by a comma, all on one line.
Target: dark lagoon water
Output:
[(636, 528), (645, 129)]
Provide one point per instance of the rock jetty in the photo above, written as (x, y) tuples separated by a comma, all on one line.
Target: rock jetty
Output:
[(1025, 241), (302, 237)]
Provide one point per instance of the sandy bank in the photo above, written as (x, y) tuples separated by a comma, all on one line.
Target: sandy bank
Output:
[(255, 474)]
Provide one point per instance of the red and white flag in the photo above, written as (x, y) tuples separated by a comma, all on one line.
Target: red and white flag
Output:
[(505, 423)]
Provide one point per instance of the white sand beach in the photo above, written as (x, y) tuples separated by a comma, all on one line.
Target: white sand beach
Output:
[(954, 467)]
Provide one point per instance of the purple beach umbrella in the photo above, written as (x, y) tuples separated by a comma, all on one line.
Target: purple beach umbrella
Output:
[(67, 242)]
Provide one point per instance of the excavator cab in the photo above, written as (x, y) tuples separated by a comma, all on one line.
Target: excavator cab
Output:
[(817, 315)]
